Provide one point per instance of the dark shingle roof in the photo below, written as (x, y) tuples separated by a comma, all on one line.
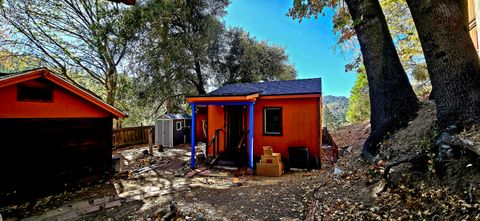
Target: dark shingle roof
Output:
[(301, 86)]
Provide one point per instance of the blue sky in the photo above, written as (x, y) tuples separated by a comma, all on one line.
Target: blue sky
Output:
[(309, 44)]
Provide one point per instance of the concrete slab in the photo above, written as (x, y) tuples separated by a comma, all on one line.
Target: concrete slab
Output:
[(80, 205), (101, 200), (91, 209)]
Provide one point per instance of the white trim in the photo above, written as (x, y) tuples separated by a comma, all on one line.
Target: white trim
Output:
[(170, 138), (179, 123), (265, 120)]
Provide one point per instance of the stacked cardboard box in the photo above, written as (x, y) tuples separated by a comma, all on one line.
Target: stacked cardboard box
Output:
[(270, 164)]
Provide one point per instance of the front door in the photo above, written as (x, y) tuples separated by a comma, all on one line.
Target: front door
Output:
[(235, 122), (164, 131)]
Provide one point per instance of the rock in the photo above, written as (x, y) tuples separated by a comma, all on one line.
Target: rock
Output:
[(337, 171), (200, 216)]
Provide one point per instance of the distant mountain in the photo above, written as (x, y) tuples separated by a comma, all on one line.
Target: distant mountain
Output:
[(334, 110)]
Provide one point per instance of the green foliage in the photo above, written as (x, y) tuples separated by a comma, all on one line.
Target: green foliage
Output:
[(146, 58), (184, 49), (359, 101), (249, 60), (420, 72), (10, 62), (181, 42), (404, 34), (399, 20), (334, 111)]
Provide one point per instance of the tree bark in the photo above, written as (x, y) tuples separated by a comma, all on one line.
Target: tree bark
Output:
[(452, 61), (392, 100), (200, 85), (111, 85)]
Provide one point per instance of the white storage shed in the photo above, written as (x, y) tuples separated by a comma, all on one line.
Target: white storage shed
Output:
[(172, 129)]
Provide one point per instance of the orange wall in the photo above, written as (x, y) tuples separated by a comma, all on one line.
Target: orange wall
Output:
[(216, 121), (300, 118), (65, 105), (300, 125)]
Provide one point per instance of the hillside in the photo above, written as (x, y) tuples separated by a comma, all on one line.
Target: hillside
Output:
[(433, 188), (334, 110)]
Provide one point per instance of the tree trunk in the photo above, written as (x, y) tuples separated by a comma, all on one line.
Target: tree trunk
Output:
[(392, 100), (200, 86), (111, 85), (452, 61)]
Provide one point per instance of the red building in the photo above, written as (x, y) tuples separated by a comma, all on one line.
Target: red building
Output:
[(242, 118), (53, 135)]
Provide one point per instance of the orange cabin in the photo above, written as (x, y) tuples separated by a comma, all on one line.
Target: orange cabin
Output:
[(285, 114), (59, 133)]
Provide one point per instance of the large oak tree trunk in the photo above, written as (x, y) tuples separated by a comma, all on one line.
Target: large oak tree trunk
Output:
[(392, 100), (452, 60)]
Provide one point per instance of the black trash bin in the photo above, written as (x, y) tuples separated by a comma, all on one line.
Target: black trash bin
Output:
[(298, 157)]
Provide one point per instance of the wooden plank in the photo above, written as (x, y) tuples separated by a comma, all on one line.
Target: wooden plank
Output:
[(131, 136)]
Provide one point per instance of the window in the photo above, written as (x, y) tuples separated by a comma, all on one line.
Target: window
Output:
[(36, 94), (272, 121), (179, 125)]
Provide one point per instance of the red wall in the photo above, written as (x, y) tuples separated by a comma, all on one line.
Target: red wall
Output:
[(65, 105), (301, 124)]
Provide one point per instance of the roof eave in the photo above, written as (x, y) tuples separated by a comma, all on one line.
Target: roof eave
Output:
[(220, 98)]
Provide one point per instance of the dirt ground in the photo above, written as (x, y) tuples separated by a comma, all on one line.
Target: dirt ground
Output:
[(154, 183)]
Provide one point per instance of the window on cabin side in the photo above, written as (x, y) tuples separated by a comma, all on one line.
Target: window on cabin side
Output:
[(179, 125), (272, 121), (36, 94)]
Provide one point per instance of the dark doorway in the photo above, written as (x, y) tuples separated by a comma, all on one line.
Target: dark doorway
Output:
[(235, 133)]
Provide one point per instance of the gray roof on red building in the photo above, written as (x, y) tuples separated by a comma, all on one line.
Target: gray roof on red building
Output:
[(289, 87)]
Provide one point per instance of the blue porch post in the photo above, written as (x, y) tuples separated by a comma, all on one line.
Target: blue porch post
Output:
[(250, 138), (192, 136)]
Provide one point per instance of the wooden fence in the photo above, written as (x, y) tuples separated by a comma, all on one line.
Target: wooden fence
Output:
[(130, 136)]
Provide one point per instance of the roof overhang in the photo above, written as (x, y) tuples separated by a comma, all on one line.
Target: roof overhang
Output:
[(223, 99), (290, 96), (45, 73), (246, 98)]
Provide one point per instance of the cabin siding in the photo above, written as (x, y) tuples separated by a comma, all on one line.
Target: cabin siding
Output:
[(216, 117), (51, 142), (299, 125), (301, 120)]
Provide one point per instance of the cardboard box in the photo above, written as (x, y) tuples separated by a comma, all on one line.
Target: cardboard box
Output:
[(275, 158), (270, 169), (267, 150)]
